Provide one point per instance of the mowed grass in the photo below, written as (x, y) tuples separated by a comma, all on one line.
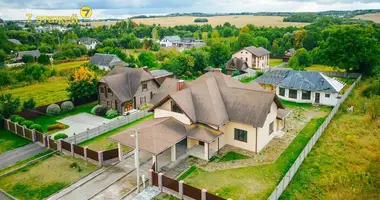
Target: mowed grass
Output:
[(230, 156), (45, 177), (68, 65), (102, 143), (9, 141), (323, 68), (46, 120), (238, 20), (345, 162), (256, 182), (275, 62), (53, 90)]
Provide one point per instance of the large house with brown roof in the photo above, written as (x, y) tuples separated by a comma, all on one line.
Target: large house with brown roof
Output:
[(125, 89), (206, 114), (256, 57)]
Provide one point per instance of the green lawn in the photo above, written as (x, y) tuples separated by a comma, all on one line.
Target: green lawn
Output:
[(53, 90), (345, 162), (230, 156), (9, 141), (45, 177), (164, 196), (101, 143), (275, 62), (45, 120), (68, 65), (187, 173), (255, 182), (323, 68)]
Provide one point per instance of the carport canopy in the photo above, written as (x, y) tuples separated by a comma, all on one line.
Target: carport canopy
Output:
[(155, 136)]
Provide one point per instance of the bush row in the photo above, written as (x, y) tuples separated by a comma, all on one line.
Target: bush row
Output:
[(55, 110), (29, 124), (102, 111)]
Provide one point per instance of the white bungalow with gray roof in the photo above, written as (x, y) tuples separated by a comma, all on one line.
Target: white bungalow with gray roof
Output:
[(169, 41), (90, 43), (34, 53), (106, 61), (256, 57), (303, 86)]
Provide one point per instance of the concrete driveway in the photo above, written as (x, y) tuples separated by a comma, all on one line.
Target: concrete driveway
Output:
[(13, 156), (80, 123)]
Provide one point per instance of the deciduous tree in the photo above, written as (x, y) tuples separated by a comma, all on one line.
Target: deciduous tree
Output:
[(82, 84)]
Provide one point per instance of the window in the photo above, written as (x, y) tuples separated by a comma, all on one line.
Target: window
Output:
[(142, 100), (240, 135), (271, 127), (327, 95), (293, 94), (151, 95), (242, 52), (175, 108), (306, 95), (144, 86), (282, 91), (102, 90), (246, 59), (109, 91)]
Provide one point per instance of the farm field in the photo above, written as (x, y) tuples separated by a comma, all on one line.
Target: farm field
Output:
[(345, 162), (68, 65), (53, 90), (375, 17), (45, 177), (238, 21)]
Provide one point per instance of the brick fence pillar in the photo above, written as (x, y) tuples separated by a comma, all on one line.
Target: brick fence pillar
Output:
[(180, 189), (204, 191), (34, 137), (151, 177), (85, 153), (59, 145), (44, 139), (48, 141), (100, 158), (16, 123), (72, 149), (23, 130), (8, 124), (160, 181)]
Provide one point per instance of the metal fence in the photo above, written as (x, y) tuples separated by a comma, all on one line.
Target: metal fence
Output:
[(293, 169), (116, 123)]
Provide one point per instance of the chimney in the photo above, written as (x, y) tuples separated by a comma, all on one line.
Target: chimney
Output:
[(218, 70), (180, 84), (145, 68)]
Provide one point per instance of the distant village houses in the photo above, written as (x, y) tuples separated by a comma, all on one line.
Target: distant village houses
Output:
[(90, 43), (34, 53), (106, 61), (181, 44)]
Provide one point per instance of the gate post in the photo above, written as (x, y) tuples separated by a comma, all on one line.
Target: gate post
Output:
[(23, 130), (85, 153), (72, 149), (204, 191), (180, 189), (160, 181), (100, 158), (34, 137), (151, 177)]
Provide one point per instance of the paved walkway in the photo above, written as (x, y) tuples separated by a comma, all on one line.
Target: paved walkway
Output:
[(107, 183), (80, 122), (147, 194), (13, 156)]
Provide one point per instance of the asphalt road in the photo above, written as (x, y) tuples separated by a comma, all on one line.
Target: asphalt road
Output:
[(13, 156)]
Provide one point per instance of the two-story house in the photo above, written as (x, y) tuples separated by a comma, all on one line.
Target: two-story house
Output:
[(206, 114), (125, 89), (256, 57)]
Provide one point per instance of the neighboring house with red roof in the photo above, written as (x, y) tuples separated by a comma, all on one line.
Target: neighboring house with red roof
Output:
[(125, 89), (256, 57), (206, 114)]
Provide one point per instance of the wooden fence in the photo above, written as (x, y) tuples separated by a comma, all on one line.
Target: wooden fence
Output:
[(65, 147), (295, 166), (179, 188)]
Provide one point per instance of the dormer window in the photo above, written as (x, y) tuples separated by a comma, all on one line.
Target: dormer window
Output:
[(175, 107), (144, 86)]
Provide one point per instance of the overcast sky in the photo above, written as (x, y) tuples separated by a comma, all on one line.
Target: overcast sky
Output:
[(17, 9)]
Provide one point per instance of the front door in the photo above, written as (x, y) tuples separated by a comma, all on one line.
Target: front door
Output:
[(317, 97), (128, 106)]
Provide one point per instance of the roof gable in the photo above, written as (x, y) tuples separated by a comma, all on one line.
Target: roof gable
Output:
[(257, 51), (104, 59)]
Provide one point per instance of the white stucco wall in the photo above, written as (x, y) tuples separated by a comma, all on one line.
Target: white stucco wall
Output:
[(165, 111), (229, 131), (245, 55), (331, 101), (263, 133), (165, 43), (252, 60)]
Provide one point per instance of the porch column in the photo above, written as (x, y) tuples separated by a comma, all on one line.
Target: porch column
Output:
[(206, 151), (257, 62), (173, 153), (120, 151)]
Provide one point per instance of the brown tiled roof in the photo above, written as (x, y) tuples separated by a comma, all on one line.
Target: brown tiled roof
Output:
[(159, 134), (215, 99), (125, 81)]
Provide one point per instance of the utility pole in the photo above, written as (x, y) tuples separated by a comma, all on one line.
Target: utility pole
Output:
[(137, 161)]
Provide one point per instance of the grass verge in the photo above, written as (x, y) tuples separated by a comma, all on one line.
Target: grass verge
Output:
[(345, 162), (230, 156), (256, 182), (9, 141), (101, 143), (275, 62), (45, 177), (187, 173)]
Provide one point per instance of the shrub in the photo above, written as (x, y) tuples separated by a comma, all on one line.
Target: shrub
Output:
[(112, 113), (374, 108), (18, 119), (56, 126), (259, 73), (29, 104), (235, 73), (197, 20), (94, 109), (100, 111), (60, 136), (1, 121), (372, 90), (27, 123), (27, 58), (53, 109), (9, 104), (36, 127), (75, 166), (67, 106), (43, 59)]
